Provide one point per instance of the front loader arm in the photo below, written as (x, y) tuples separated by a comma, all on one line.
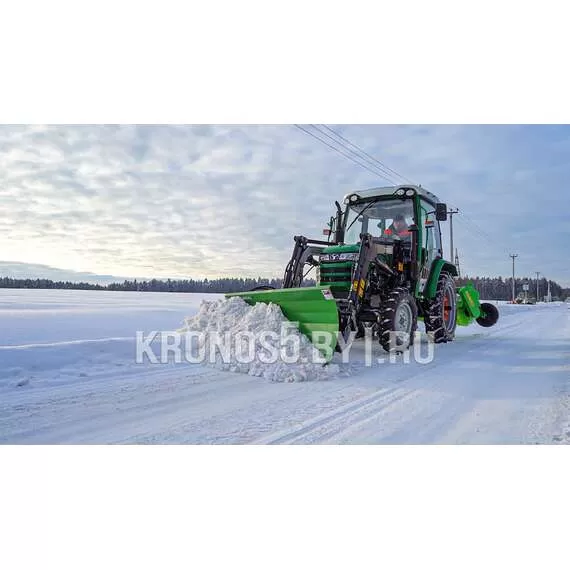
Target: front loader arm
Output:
[(349, 311), (302, 255)]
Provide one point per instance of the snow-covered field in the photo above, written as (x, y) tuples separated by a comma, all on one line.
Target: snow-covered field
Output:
[(68, 375)]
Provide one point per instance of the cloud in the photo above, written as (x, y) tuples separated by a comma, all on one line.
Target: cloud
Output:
[(218, 200)]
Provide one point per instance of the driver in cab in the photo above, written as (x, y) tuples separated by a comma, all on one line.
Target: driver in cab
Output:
[(398, 228)]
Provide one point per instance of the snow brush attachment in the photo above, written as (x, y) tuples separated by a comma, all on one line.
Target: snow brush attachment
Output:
[(489, 315), (470, 309), (312, 309)]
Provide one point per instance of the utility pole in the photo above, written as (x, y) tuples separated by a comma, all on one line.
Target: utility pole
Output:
[(537, 297), (450, 214), (457, 263), (513, 255)]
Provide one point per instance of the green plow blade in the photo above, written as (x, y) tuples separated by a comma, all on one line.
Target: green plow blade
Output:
[(313, 308)]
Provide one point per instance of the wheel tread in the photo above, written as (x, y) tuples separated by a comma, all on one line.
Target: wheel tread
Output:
[(434, 323), (386, 324)]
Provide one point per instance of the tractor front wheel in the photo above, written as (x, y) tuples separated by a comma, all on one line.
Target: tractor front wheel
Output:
[(441, 316), (398, 321)]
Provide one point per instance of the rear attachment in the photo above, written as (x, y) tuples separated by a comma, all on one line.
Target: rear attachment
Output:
[(313, 309), (469, 308)]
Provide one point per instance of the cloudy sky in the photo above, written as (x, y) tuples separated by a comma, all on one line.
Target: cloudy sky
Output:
[(206, 201)]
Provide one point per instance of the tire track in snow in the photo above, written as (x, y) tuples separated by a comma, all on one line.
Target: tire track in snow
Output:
[(331, 420), (350, 417)]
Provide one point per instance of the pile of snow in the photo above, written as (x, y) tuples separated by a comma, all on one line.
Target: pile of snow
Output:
[(263, 350)]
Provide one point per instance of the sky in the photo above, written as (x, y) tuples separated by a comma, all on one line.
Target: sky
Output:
[(195, 201)]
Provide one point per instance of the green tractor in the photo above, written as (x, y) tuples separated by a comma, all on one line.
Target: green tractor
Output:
[(382, 269)]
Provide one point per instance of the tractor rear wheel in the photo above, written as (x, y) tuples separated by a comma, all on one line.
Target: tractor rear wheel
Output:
[(398, 321), (441, 316)]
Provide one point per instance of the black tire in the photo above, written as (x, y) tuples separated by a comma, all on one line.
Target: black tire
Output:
[(398, 321), (490, 315), (441, 315)]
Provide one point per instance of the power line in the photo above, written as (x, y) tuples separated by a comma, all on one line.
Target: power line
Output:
[(382, 175), (378, 168), (482, 233), (374, 159), (472, 232), (478, 232), (351, 158), (372, 163), (478, 228), (486, 235)]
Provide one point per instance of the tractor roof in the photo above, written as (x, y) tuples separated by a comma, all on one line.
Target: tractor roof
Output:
[(389, 190)]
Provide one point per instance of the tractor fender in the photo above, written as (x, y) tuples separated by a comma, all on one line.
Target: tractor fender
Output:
[(437, 266)]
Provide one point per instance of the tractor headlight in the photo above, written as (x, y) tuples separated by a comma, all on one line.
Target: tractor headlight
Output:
[(410, 192), (401, 192)]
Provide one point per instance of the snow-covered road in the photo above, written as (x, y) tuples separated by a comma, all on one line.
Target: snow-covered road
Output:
[(68, 375)]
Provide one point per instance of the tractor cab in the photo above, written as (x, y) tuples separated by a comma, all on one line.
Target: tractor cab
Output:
[(406, 216), (376, 210)]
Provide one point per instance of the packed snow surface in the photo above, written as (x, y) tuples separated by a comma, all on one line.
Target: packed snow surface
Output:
[(68, 374)]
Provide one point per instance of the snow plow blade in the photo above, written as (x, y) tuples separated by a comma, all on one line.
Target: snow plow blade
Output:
[(312, 309)]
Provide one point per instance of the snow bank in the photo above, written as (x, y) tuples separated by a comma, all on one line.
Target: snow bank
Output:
[(222, 322)]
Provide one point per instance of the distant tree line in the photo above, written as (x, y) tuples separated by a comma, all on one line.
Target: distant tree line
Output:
[(222, 285), (499, 289), (495, 288), (11, 283)]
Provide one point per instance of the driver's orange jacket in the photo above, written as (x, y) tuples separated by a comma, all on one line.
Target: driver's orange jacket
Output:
[(403, 233)]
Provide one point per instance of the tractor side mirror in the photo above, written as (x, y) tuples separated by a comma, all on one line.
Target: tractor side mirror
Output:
[(441, 212)]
